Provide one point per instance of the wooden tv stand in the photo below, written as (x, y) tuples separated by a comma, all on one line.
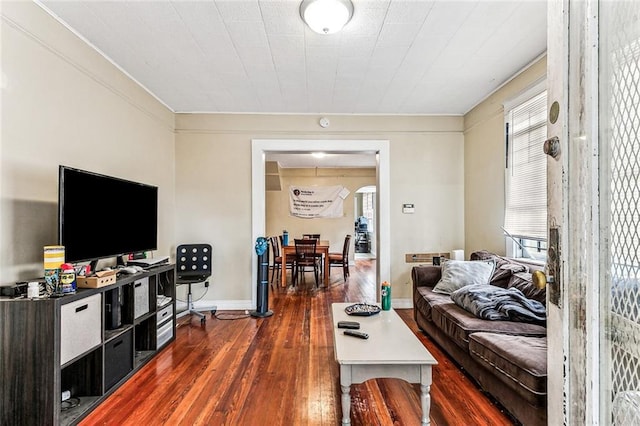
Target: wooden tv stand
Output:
[(51, 345)]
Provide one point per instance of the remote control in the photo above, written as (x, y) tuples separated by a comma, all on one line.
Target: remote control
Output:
[(358, 334), (349, 324)]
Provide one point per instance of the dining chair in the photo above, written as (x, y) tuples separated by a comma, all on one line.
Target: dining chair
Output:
[(306, 257), (277, 259), (318, 255), (341, 259)]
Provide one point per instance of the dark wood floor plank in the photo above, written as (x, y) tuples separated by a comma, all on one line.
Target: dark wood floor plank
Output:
[(282, 371)]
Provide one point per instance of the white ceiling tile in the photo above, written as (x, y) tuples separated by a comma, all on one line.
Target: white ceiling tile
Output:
[(365, 22), (272, 13), (398, 34), (252, 56), (446, 17), (287, 65), (239, 10), (287, 43), (408, 11), (357, 46), (324, 64), (247, 34), (388, 57)]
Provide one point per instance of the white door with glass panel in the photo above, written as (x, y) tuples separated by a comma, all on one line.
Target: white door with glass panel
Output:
[(594, 212)]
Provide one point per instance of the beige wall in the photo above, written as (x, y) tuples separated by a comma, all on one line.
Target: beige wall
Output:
[(213, 185), (334, 229), (62, 103), (484, 147)]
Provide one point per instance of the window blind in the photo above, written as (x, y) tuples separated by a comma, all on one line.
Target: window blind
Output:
[(526, 177)]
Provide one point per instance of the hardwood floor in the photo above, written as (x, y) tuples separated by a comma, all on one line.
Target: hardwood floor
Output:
[(281, 371)]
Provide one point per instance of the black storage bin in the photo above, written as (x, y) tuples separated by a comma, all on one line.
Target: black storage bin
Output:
[(118, 359)]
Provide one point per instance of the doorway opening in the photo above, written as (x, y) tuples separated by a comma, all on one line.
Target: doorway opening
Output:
[(260, 148), (365, 223)]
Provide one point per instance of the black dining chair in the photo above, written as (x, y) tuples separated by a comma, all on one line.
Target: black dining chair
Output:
[(318, 255), (305, 258)]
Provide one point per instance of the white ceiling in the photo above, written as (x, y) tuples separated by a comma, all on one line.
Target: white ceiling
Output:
[(257, 56)]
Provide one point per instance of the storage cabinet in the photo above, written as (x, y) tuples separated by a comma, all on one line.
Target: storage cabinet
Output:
[(88, 343)]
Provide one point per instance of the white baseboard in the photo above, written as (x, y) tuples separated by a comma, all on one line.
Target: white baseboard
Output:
[(224, 305), (402, 303)]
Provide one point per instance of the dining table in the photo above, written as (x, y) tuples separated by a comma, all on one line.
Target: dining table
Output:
[(290, 250)]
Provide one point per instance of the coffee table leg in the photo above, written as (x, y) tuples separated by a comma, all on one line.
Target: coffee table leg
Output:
[(425, 399), (346, 405)]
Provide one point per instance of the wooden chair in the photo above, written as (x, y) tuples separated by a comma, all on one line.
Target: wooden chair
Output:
[(277, 259), (306, 256), (318, 255), (342, 259)]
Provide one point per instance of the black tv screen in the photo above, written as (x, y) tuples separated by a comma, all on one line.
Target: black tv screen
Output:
[(101, 216)]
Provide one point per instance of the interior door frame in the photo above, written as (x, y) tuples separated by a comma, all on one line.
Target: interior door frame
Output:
[(259, 149)]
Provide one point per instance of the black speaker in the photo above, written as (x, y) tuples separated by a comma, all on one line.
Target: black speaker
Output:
[(113, 309)]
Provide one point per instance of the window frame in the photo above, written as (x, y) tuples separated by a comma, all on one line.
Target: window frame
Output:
[(514, 243)]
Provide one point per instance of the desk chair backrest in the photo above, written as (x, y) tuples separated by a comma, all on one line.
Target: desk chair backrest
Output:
[(193, 262)]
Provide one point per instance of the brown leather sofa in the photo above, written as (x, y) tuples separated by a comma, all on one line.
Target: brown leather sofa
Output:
[(507, 359)]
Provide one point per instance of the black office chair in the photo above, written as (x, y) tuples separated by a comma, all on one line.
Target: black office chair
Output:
[(193, 266)]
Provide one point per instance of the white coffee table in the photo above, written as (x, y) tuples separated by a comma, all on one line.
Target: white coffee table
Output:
[(392, 350)]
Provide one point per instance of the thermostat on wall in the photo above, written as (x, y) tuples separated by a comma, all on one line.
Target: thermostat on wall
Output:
[(408, 208)]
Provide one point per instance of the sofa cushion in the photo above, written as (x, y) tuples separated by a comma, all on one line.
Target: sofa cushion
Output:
[(519, 361), (459, 324), (523, 281), (505, 267), (459, 273), (425, 298)]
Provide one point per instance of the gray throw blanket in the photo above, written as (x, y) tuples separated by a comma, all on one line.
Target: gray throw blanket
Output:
[(495, 303)]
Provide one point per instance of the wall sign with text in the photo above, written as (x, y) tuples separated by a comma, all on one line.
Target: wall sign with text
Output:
[(317, 201)]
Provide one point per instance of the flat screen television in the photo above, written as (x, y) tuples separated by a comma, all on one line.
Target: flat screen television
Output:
[(102, 216)]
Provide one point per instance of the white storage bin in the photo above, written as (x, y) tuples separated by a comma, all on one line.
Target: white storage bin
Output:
[(164, 314), (141, 297), (80, 327), (165, 333)]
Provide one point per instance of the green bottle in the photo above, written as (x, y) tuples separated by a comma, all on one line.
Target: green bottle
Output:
[(386, 296)]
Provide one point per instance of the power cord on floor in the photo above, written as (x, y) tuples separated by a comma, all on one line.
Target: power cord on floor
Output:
[(231, 317), (215, 314), (69, 404)]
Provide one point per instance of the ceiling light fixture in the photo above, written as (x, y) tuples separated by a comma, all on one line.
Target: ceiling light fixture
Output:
[(326, 16), (318, 154)]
